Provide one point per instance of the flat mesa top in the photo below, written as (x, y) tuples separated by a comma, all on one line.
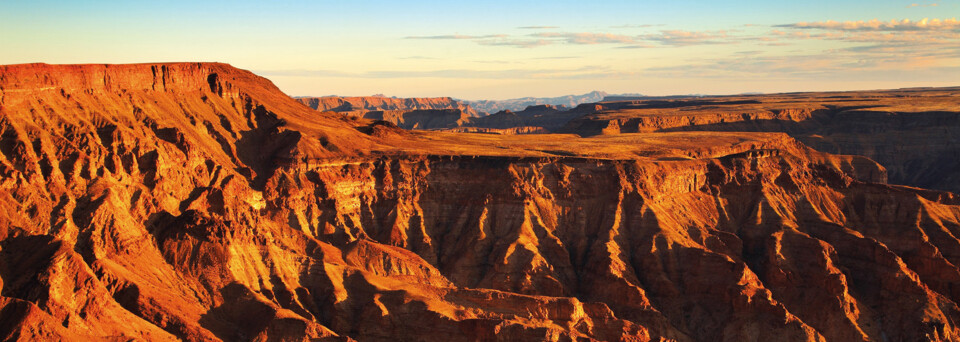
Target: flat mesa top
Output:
[(650, 146), (904, 101), (194, 99)]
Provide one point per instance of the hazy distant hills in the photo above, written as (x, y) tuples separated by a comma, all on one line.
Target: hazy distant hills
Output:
[(476, 108), (518, 104), (379, 102)]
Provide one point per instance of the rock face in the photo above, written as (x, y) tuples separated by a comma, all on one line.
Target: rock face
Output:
[(913, 133), (198, 202), (518, 104), (383, 103), (531, 120), (421, 118), (408, 113)]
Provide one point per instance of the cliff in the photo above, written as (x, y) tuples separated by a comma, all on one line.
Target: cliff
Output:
[(408, 113), (533, 119), (910, 132), (383, 103), (197, 202), (421, 118), (518, 104)]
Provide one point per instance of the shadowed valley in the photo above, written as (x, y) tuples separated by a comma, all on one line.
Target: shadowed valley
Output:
[(196, 201)]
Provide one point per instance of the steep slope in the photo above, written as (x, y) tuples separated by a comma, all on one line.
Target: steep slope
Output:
[(197, 202), (518, 104), (533, 119), (383, 103), (913, 133), (421, 118), (408, 113)]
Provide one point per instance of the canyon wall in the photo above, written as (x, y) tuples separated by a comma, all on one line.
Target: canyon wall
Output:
[(914, 134), (197, 202), (518, 104), (383, 103), (408, 113)]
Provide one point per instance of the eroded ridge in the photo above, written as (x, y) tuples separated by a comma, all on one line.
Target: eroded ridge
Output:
[(213, 207)]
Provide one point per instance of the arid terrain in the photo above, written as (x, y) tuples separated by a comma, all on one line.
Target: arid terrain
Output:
[(196, 201), (914, 133)]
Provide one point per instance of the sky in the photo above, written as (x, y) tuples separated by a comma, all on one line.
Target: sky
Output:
[(496, 49)]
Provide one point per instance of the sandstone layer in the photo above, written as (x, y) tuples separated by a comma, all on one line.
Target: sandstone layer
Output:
[(407, 113), (913, 132), (198, 202), (518, 104), (383, 103)]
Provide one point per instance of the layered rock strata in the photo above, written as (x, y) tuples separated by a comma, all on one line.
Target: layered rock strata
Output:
[(197, 202), (913, 133)]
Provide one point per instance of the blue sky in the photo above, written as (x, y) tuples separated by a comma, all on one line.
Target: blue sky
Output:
[(504, 49)]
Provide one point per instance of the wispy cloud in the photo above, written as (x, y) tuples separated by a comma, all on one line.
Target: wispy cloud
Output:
[(638, 46), (763, 66), (457, 36), (686, 38), (933, 4), (586, 72), (883, 45), (866, 46), (877, 25), (675, 38), (588, 38), (521, 43), (864, 52), (538, 27)]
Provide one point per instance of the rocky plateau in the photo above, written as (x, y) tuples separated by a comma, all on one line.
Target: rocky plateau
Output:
[(196, 201), (914, 133), (407, 113)]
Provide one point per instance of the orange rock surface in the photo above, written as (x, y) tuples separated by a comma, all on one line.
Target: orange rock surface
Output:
[(198, 202), (383, 103), (408, 113), (912, 132)]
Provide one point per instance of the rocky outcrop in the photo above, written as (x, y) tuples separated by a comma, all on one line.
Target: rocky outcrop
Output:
[(421, 119), (910, 132), (213, 207), (359, 104), (518, 104), (538, 118), (407, 113)]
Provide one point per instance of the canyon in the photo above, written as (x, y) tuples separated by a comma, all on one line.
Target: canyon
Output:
[(517, 116), (196, 201), (408, 113), (914, 133), (518, 104), (354, 104)]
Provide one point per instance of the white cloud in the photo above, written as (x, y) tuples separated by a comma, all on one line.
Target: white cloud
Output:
[(876, 25), (588, 38)]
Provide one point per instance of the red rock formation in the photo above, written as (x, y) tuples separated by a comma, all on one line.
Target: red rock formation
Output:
[(910, 132), (518, 104), (360, 104), (533, 119), (421, 118), (197, 202), (408, 113)]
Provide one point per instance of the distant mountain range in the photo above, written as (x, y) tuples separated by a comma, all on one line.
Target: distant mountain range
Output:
[(518, 104), (361, 104), (476, 108)]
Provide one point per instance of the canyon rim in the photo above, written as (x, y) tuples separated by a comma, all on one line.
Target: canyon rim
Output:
[(719, 172)]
